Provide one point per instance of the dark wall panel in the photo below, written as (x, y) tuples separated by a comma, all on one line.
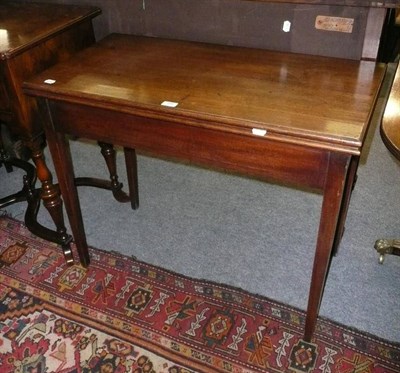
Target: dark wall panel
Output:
[(234, 22)]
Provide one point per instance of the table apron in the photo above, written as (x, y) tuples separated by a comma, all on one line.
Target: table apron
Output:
[(252, 155)]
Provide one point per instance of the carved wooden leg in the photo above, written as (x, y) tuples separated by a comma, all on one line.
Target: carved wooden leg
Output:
[(131, 170), (50, 196), (335, 184)]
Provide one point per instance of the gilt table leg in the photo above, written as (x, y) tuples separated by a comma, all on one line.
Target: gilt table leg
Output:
[(335, 185)]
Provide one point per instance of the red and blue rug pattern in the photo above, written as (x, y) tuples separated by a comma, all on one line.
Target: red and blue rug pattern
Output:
[(121, 315)]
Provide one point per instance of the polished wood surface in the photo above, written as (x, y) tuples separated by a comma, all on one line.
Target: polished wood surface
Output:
[(390, 127), (34, 37), (285, 117), (236, 89), (24, 25)]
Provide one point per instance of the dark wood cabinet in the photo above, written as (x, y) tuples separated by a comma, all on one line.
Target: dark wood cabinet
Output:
[(34, 37)]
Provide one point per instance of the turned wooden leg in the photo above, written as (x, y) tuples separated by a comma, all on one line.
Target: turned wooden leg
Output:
[(50, 196), (109, 154), (32, 195), (335, 185)]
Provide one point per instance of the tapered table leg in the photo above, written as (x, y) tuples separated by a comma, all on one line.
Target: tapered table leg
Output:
[(61, 155), (335, 185), (131, 170), (350, 183)]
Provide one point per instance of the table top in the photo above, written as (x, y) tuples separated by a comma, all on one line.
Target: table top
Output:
[(301, 98), (22, 25), (390, 128)]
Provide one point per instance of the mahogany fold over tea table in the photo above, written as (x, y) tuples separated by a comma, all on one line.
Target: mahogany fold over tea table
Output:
[(296, 119)]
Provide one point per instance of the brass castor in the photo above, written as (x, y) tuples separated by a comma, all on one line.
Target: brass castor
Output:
[(384, 246)]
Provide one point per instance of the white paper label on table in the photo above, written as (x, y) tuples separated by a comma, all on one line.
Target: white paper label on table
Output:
[(169, 104)]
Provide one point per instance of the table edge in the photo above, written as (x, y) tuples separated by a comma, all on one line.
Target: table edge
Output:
[(213, 122), (11, 53)]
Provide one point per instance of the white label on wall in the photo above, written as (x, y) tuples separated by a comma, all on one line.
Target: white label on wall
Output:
[(286, 26), (338, 24)]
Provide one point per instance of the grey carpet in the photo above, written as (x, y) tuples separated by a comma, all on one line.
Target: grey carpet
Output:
[(247, 233)]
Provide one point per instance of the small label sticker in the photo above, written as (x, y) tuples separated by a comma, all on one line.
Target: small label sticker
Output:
[(259, 132), (49, 81), (286, 26), (169, 103), (338, 24)]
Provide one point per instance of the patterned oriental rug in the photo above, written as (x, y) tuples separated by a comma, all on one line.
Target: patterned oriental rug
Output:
[(121, 315)]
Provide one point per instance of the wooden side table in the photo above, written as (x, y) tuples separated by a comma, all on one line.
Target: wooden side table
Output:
[(34, 37), (296, 119)]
